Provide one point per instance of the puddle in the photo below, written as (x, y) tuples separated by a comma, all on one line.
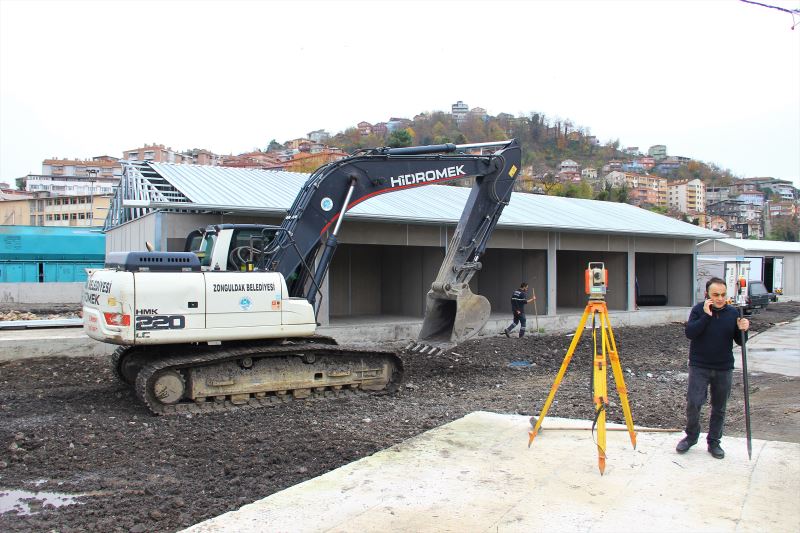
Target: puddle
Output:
[(520, 364), (28, 503)]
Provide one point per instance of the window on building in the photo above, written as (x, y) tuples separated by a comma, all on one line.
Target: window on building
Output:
[(74, 216), (49, 217), (82, 216), (57, 216)]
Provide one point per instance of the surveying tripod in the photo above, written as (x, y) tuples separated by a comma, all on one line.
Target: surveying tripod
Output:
[(596, 282)]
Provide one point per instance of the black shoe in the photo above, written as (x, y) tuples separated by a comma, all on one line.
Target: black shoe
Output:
[(505, 332), (684, 445), (715, 450)]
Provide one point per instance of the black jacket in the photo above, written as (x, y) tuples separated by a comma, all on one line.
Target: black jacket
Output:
[(518, 301), (712, 337)]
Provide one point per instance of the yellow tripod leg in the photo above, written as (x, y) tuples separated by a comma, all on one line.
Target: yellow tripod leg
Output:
[(600, 387), (559, 376), (619, 379)]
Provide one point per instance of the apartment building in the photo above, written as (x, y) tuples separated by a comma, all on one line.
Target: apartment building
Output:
[(742, 220), (687, 196), (657, 152), (717, 194), (319, 136), (158, 153), (752, 197), (645, 162), (643, 188), (103, 166), (459, 111), (568, 165), (612, 166), (781, 209), (47, 209), (69, 185), (364, 128), (264, 160)]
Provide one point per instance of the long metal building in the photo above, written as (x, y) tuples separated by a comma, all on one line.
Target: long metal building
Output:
[(391, 245)]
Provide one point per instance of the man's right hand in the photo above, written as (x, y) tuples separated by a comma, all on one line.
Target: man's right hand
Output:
[(707, 307)]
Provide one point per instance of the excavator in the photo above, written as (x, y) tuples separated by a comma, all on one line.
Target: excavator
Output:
[(230, 322)]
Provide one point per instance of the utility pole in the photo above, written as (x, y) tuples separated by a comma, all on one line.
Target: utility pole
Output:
[(93, 174)]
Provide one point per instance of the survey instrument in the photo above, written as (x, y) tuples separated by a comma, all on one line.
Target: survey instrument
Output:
[(596, 280)]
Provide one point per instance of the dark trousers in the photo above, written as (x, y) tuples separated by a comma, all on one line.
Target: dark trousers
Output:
[(701, 380), (518, 319)]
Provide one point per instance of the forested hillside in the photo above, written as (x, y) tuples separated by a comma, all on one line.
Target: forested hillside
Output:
[(545, 144)]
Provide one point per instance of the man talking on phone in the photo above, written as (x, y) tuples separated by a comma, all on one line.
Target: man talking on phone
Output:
[(712, 328)]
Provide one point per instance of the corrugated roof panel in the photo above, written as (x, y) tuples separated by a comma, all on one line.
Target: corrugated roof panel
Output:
[(749, 245), (276, 190), (237, 187)]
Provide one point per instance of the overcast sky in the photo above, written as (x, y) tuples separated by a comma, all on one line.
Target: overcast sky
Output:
[(716, 81)]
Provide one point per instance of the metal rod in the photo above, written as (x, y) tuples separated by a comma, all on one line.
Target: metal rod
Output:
[(482, 145), (746, 385), (344, 207)]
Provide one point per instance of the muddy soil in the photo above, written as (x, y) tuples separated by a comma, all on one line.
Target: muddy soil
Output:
[(67, 426)]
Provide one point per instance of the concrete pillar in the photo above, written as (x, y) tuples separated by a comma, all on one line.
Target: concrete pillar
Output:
[(552, 248), (631, 275), (160, 233)]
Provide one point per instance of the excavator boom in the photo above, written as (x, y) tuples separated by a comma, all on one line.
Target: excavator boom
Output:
[(453, 313)]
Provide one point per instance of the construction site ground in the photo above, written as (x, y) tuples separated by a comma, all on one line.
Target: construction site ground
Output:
[(70, 434)]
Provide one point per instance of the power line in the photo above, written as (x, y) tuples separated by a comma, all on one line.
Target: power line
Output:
[(792, 12)]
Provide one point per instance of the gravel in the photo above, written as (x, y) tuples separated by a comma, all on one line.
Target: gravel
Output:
[(67, 426)]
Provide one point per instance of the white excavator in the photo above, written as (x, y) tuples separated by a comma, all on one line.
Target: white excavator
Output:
[(231, 321)]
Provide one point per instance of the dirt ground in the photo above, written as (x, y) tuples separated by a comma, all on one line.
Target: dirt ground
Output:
[(67, 426)]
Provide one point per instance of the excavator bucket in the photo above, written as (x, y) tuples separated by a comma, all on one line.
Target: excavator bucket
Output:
[(453, 319)]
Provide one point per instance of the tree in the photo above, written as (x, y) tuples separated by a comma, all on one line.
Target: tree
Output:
[(275, 146), (622, 194), (399, 139), (785, 229), (549, 182)]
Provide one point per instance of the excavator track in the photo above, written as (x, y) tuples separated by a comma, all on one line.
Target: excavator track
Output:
[(193, 379)]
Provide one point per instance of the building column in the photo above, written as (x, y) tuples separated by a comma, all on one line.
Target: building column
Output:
[(552, 248), (159, 233), (631, 275)]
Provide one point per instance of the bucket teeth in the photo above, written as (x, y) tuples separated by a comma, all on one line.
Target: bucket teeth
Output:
[(422, 348)]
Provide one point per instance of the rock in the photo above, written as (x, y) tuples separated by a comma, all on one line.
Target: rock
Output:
[(138, 528), (156, 514)]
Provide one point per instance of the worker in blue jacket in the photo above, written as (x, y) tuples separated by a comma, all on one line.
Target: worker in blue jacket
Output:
[(712, 328), (518, 301)]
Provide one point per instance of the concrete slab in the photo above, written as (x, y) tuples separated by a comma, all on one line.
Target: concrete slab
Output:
[(776, 350), (60, 342), (478, 474)]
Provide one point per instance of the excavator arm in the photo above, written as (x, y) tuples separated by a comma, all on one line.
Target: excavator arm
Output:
[(302, 252)]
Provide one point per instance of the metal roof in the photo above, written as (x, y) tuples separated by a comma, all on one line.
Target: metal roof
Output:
[(236, 187), (270, 191), (750, 245)]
